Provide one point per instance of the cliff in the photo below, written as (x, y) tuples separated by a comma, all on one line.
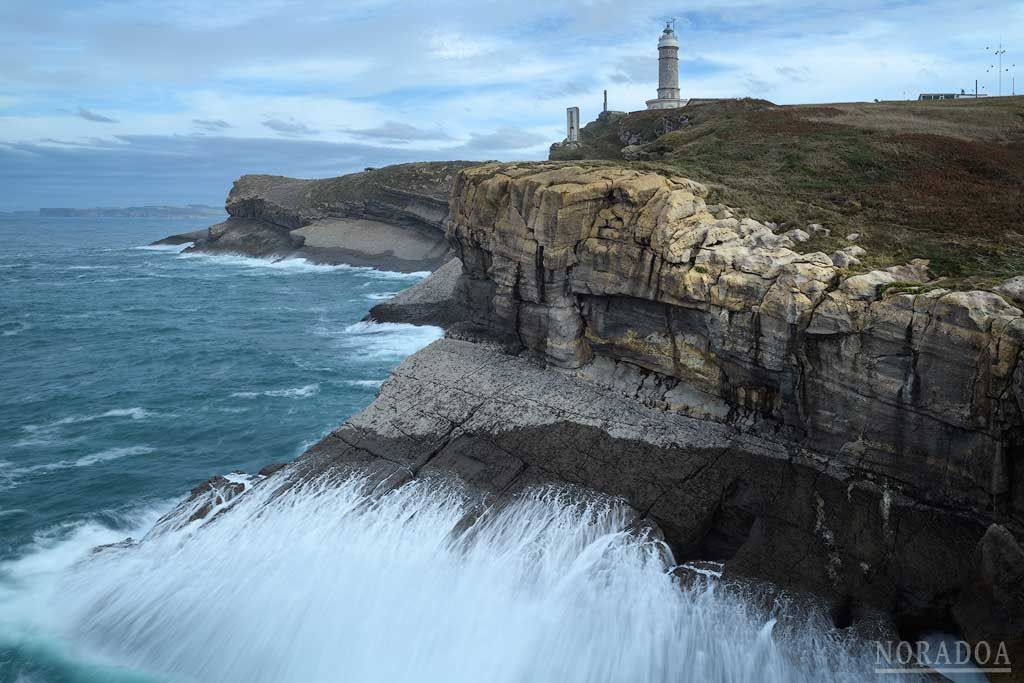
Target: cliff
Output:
[(887, 409), (848, 431), (936, 180), (389, 218)]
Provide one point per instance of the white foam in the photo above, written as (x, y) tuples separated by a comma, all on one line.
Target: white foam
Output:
[(302, 584), (388, 340), (391, 274), (296, 392), (709, 570), (12, 475), (112, 454), (172, 248), (133, 413), (369, 383), (30, 581), (286, 265), (382, 296), (297, 264)]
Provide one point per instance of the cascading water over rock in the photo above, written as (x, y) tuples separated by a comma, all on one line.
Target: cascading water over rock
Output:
[(323, 581)]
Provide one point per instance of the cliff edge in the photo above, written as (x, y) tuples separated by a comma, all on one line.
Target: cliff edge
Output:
[(388, 218)]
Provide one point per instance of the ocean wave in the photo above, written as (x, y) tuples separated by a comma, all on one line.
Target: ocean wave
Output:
[(46, 438), (13, 329), (172, 248), (35, 573), (382, 296), (133, 413), (297, 392), (543, 589), (391, 274), (284, 265), (12, 475), (298, 264), (111, 454), (369, 383), (388, 340)]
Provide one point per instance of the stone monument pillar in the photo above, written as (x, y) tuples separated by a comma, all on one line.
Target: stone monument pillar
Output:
[(572, 124)]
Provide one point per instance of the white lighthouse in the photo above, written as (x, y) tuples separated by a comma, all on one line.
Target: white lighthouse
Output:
[(668, 72)]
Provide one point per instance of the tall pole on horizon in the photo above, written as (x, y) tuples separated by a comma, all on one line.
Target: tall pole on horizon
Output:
[(998, 53)]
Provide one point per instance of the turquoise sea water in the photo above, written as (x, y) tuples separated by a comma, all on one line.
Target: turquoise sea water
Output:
[(129, 375)]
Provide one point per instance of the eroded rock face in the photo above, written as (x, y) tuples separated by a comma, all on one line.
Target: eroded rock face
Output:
[(390, 218), (913, 393)]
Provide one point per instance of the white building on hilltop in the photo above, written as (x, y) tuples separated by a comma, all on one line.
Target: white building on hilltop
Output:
[(668, 72)]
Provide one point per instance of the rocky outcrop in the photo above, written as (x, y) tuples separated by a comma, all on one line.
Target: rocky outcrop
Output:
[(247, 236), (616, 134), (389, 218), (434, 300), (410, 195), (893, 408), (857, 435)]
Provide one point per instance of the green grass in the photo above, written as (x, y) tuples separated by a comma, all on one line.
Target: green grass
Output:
[(937, 180)]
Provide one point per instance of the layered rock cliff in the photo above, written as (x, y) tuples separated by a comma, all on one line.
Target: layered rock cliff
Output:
[(893, 407), (388, 218), (854, 436)]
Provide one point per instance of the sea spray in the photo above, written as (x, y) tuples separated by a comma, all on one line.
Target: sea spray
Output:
[(324, 582)]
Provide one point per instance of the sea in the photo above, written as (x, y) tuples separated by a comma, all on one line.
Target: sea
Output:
[(130, 374)]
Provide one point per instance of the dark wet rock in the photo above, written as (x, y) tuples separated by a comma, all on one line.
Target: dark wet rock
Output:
[(206, 498), (247, 236), (268, 470), (119, 545), (184, 238), (992, 607)]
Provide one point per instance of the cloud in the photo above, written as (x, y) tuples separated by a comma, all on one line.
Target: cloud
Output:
[(452, 46), (794, 74), (289, 127), (395, 131), (636, 69), (134, 170), (90, 115), (211, 124), (503, 139), (370, 81)]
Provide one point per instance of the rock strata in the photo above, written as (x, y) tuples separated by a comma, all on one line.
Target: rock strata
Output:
[(389, 218), (896, 406)]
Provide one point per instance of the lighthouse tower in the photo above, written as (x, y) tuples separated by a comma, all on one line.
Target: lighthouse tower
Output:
[(668, 72)]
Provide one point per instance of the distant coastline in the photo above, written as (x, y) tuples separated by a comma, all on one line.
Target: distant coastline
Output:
[(187, 211)]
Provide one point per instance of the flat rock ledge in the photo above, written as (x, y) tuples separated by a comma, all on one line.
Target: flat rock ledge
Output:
[(749, 495)]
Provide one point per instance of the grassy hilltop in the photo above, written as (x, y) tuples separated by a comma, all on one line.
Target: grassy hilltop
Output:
[(936, 180)]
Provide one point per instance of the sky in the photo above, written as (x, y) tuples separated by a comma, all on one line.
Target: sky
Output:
[(131, 102)]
